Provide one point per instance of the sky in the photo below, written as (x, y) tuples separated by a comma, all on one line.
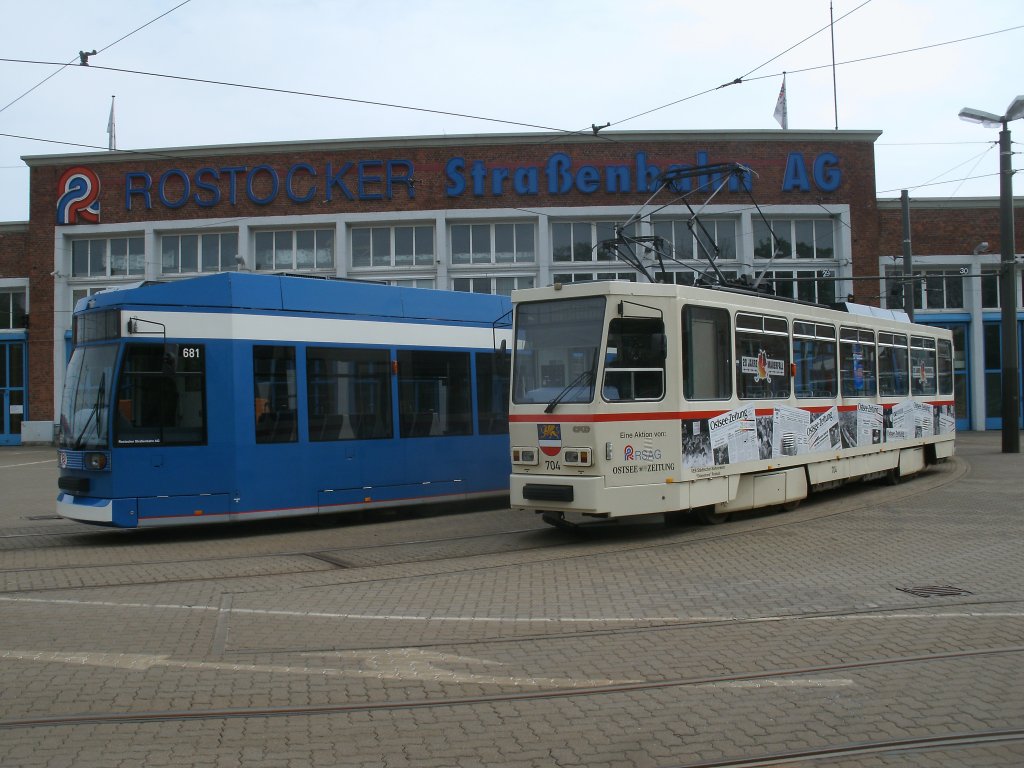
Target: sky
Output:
[(305, 70)]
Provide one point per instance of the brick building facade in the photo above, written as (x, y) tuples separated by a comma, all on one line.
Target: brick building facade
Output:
[(486, 213)]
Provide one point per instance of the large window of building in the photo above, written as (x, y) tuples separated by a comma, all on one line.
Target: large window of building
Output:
[(582, 240), (803, 284), (403, 246), (108, 257), (502, 286), (684, 243), (299, 249), (794, 239), (504, 243), (587, 277), (12, 309), (207, 252)]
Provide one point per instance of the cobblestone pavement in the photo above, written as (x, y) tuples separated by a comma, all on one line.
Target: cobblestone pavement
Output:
[(873, 626)]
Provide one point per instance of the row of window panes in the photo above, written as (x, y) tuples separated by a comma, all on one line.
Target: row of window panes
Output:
[(941, 289), (862, 368), (412, 246), (493, 243), (101, 257), (211, 252), (12, 308), (712, 238), (501, 286), (794, 239), (295, 249)]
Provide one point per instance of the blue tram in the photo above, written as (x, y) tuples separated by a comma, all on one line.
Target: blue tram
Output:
[(242, 396)]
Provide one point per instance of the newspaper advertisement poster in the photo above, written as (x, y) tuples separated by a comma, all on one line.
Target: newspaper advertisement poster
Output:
[(823, 433), (902, 422), (789, 431), (734, 436), (923, 420), (870, 420)]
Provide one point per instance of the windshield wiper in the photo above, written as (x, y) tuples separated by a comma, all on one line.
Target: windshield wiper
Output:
[(585, 377), (100, 393)]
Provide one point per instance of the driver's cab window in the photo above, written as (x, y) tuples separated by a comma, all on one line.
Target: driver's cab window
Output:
[(634, 359)]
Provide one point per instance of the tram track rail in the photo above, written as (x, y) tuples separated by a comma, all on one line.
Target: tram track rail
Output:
[(181, 715), (333, 559)]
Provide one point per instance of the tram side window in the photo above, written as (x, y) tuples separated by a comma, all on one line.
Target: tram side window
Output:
[(762, 346), (857, 362), (892, 365), (945, 363), (434, 394), (922, 366), (707, 363), (274, 390), (635, 359), (814, 352), (161, 397), (492, 374), (349, 394)]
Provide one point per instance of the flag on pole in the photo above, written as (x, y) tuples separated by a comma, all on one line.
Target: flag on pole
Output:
[(781, 111), (111, 132)]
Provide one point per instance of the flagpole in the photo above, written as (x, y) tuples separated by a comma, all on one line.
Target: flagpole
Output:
[(832, 31), (111, 130)]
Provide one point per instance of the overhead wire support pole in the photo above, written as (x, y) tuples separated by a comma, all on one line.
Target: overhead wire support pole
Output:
[(1008, 297), (908, 269)]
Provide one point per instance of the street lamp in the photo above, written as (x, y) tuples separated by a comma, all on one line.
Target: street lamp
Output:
[(1007, 274)]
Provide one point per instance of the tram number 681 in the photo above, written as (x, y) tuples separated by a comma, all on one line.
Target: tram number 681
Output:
[(551, 464)]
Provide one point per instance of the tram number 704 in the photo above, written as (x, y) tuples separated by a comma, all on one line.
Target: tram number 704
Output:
[(549, 464)]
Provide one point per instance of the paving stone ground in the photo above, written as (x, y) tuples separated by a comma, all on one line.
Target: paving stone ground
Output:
[(459, 637)]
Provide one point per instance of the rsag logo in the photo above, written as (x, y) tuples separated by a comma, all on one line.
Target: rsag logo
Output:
[(643, 454), (79, 201)]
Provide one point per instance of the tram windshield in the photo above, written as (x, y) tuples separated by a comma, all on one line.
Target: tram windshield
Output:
[(85, 404), (557, 351)]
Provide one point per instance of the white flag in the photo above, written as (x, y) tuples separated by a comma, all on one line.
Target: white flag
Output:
[(781, 112), (111, 132)]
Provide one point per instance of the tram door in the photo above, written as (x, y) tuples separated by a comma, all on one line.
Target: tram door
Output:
[(961, 377), (12, 391)]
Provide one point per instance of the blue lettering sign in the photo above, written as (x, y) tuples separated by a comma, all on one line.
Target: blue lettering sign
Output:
[(795, 176), (559, 178), (336, 180), (143, 189), (526, 181), (827, 175), (456, 181), (289, 187), (207, 186), (405, 178), (368, 178), (186, 191), (250, 184)]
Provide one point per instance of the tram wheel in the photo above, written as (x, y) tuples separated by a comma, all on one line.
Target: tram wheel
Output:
[(892, 477), (789, 506), (708, 516)]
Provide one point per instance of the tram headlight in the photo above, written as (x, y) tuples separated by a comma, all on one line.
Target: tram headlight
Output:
[(527, 456), (96, 461), (578, 457)]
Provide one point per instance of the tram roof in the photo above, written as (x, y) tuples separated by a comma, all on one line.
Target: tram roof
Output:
[(734, 296), (297, 294)]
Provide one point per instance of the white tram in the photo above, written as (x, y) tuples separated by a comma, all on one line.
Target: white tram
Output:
[(638, 398)]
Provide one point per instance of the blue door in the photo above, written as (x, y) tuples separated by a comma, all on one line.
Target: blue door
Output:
[(993, 347), (12, 391)]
